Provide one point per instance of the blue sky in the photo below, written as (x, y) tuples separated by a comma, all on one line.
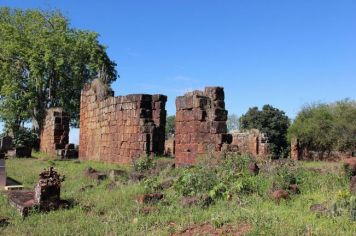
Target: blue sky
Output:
[(283, 53)]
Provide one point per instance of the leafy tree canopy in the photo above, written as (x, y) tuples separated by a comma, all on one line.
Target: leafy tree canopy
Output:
[(326, 127), (233, 122), (170, 125), (271, 121), (44, 63)]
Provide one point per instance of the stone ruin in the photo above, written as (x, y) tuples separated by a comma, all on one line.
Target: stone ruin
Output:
[(2, 171), (45, 197), (120, 129), (251, 142), (299, 153), (6, 144), (54, 135), (200, 124)]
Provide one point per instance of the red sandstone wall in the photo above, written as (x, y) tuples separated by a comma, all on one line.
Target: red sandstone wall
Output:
[(200, 124), (120, 129), (251, 142), (55, 131)]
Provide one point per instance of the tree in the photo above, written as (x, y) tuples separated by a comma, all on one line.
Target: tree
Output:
[(45, 63), (233, 122), (271, 121), (326, 127), (170, 125)]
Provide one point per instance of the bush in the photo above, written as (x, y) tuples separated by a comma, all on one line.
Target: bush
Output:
[(286, 174), (144, 163), (25, 138), (195, 180), (326, 127)]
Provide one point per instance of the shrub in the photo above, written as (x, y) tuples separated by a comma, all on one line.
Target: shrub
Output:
[(25, 138), (195, 180), (144, 163)]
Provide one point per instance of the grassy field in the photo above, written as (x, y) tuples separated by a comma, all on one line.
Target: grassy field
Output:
[(104, 211)]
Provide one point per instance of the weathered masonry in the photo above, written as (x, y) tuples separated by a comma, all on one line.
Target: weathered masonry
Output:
[(120, 129), (251, 142), (200, 124), (55, 132)]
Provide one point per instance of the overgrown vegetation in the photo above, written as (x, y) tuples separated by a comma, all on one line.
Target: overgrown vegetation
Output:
[(238, 197), (326, 127), (25, 137), (170, 126)]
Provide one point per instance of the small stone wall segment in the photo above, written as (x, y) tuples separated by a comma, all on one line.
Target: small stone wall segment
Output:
[(55, 131), (200, 124), (251, 142), (2, 170), (120, 129)]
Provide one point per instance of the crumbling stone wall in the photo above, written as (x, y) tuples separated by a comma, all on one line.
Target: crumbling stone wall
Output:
[(299, 153), (120, 129), (200, 124), (251, 142), (55, 132), (2, 170)]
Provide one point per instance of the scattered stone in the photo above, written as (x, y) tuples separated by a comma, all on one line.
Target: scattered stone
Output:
[(294, 189), (206, 201), (318, 208), (353, 185), (147, 210), (136, 176), (203, 201), (22, 200), (85, 188), (4, 221), (114, 175), (190, 201), (279, 194), (149, 198), (253, 168), (94, 174)]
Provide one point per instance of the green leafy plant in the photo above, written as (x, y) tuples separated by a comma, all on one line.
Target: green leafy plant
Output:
[(25, 138), (195, 180), (144, 163)]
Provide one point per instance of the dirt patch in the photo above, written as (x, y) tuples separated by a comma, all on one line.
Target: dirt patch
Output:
[(208, 229), (94, 174)]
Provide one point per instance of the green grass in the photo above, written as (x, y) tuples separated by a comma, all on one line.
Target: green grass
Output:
[(100, 211)]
